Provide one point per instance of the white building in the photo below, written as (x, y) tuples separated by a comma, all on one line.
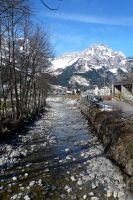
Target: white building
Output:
[(104, 91)]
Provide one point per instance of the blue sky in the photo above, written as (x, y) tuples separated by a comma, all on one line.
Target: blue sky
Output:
[(79, 23)]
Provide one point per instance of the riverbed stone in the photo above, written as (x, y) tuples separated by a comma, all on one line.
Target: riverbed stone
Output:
[(109, 193), (79, 182), (85, 196), (14, 197), (66, 150), (26, 175), (68, 157), (73, 178), (94, 198), (26, 197), (115, 194), (68, 189), (32, 183), (14, 178)]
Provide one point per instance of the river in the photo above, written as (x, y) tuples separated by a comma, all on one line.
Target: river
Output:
[(57, 157)]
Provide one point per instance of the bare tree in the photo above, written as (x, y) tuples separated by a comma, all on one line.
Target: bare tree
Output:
[(25, 52)]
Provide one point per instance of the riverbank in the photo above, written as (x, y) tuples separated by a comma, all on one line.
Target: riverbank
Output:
[(9, 126), (116, 134)]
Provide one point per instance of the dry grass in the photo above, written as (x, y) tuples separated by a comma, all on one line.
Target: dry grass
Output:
[(73, 97)]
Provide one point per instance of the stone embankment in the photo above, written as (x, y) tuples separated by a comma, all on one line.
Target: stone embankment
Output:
[(116, 134)]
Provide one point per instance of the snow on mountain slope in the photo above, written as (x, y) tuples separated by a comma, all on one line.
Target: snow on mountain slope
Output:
[(96, 55), (88, 64), (62, 63), (115, 70), (77, 80)]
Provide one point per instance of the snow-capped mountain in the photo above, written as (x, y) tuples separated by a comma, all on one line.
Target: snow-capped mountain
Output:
[(89, 67)]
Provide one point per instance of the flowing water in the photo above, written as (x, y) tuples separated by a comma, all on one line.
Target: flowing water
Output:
[(58, 157)]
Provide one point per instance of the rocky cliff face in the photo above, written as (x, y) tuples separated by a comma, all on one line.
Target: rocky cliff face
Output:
[(93, 66)]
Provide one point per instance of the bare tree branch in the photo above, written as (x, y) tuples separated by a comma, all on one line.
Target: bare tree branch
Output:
[(49, 6)]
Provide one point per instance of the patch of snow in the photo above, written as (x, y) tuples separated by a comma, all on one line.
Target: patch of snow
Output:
[(124, 70), (98, 67), (114, 70), (62, 63), (78, 80)]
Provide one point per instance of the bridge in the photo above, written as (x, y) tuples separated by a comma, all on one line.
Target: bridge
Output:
[(123, 90)]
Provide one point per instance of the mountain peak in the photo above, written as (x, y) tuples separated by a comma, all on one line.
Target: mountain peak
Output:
[(88, 66)]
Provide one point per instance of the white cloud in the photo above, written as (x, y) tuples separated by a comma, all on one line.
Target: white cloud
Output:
[(121, 21)]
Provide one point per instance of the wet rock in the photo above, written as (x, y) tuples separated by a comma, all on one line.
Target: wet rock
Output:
[(44, 144), (14, 178), (28, 165), (66, 150), (73, 178), (121, 195), (20, 195), (52, 141), (82, 154), (32, 183), (93, 186), (46, 170), (26, 197), (8, 148), (1, 188), (79, 182), (14, 154), (23, 154), (94, 198), (63, 196), (115, 194), (91, 193), (68, 157), (40, 182), (109, 193), (14, 197), (22, 188), (53, 187), (85, 196), (26, 175), (68, 189)]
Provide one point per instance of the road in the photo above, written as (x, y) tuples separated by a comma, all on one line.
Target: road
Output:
[(124, 107)]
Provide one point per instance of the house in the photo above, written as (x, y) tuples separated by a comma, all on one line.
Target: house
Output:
[(104, 91)]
